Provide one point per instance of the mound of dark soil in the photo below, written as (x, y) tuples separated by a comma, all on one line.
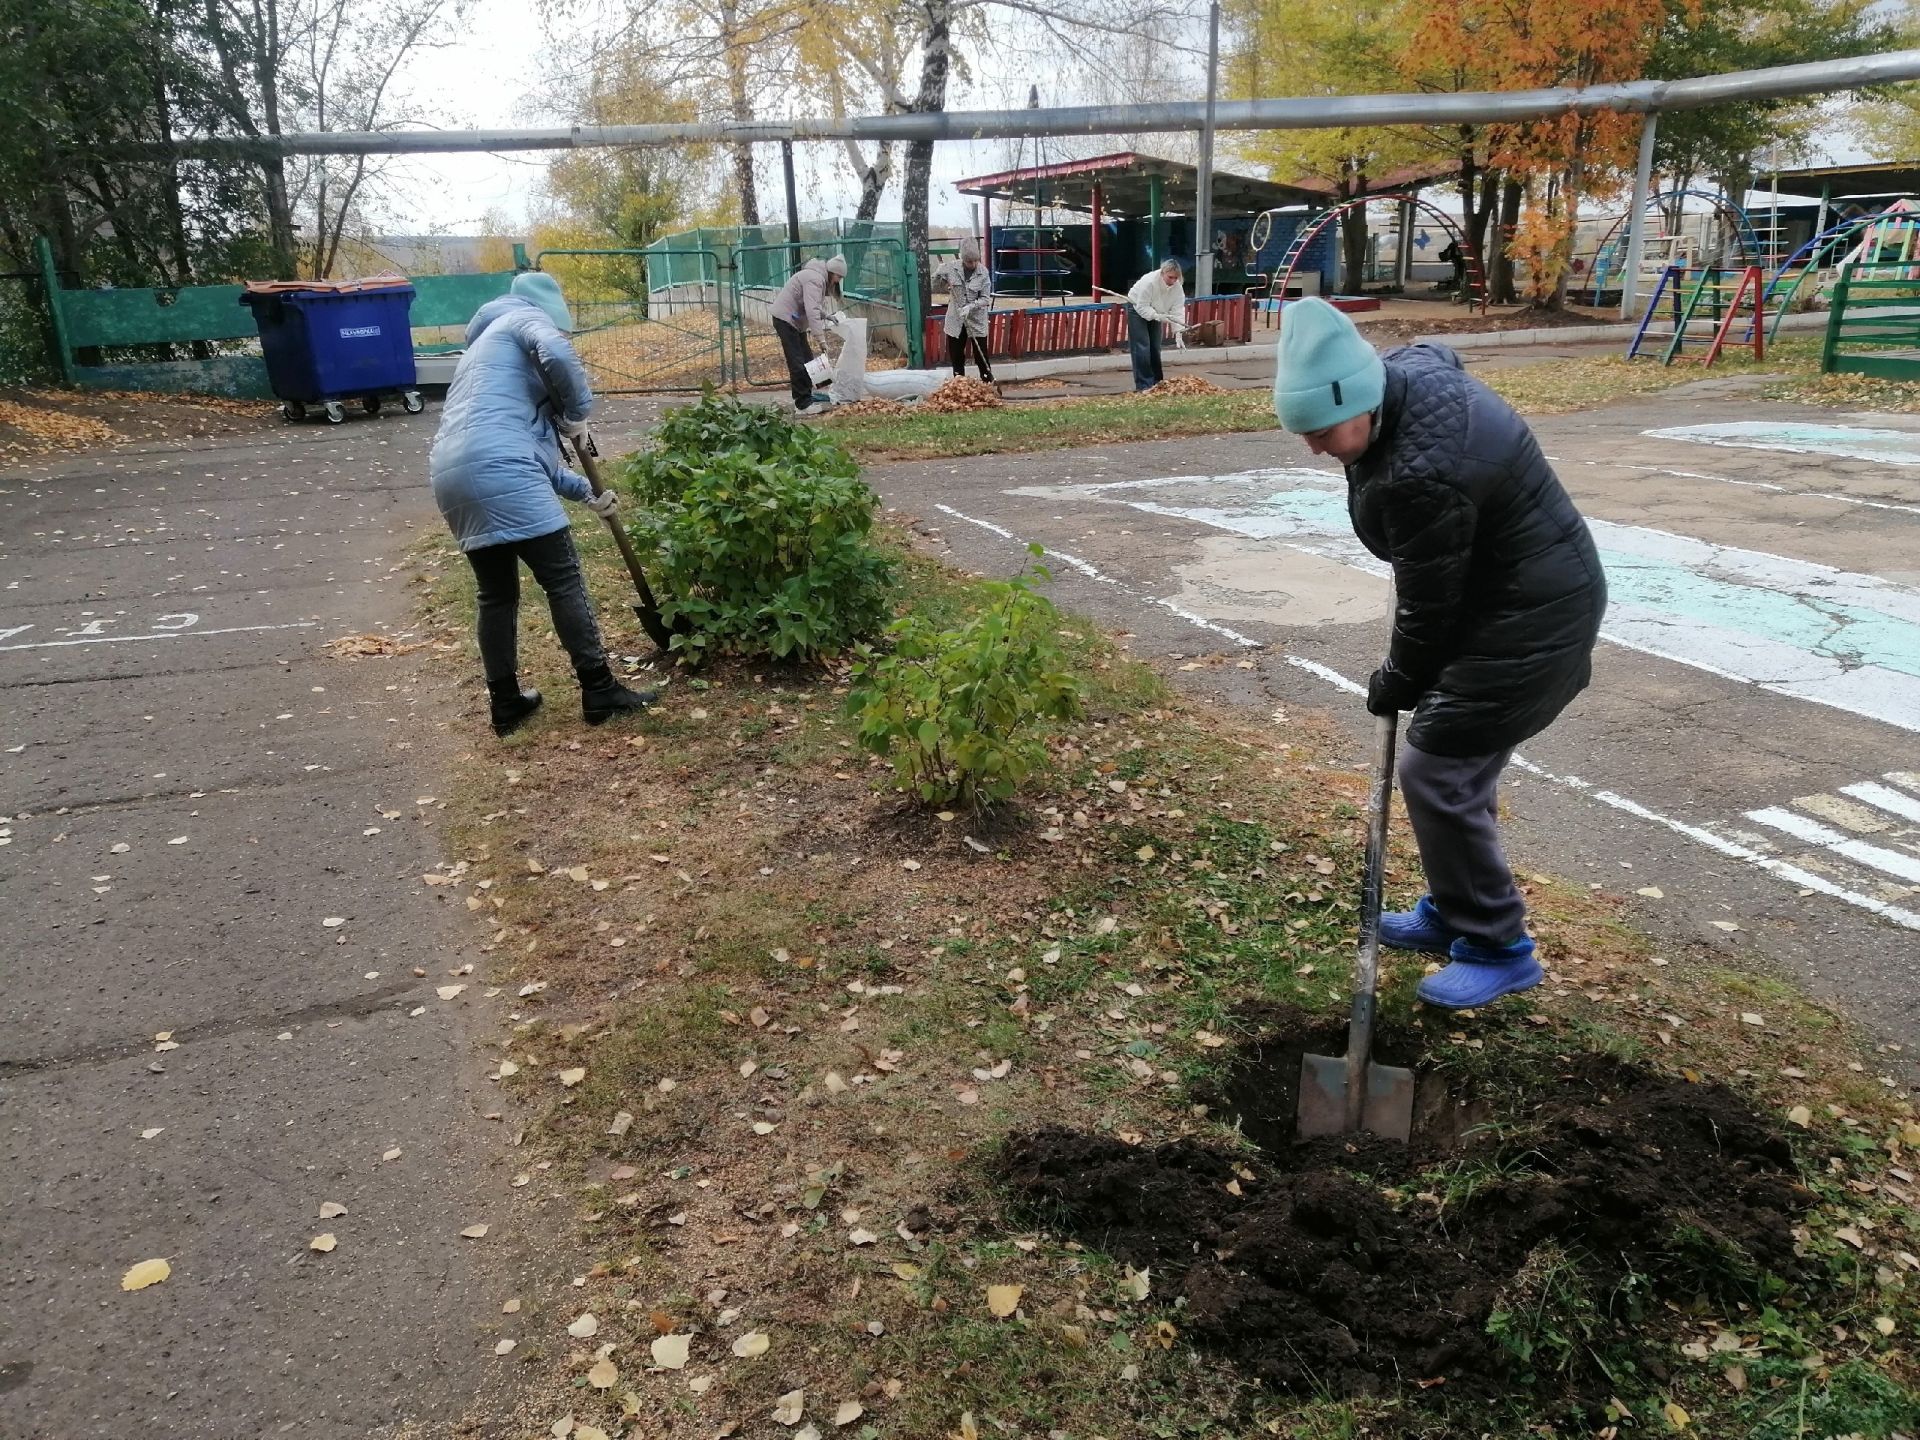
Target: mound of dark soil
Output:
[(1318, 1276)]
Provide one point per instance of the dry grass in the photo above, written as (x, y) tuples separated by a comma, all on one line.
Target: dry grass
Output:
[(820, 1011)]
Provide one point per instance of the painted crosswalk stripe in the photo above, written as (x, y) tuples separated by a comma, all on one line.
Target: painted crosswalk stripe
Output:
[(1890, 862), (1884, 797)]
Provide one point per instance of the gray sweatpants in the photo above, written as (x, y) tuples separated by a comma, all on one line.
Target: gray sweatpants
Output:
[(1454, 808)]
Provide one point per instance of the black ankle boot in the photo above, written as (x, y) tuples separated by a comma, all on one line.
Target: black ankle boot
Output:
[(602, 697), (511, 704)]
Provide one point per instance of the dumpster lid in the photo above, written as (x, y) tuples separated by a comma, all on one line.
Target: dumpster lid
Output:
[(325, 287)]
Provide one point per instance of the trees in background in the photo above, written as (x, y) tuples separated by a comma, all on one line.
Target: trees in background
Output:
[(94, 75), (1306, 47), (1521, 185)]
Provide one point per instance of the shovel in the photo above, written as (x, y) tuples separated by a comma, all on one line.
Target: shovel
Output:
[(648, 610), (1343, 1093)]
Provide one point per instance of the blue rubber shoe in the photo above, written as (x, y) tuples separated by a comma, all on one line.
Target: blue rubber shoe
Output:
[(1420, 928), (1477, 974)]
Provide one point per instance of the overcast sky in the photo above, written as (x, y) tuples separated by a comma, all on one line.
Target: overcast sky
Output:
[(486, 79)]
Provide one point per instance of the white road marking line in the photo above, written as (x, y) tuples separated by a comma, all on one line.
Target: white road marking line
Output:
[(163, 635), (1884, 798), (1076, 563), (1750, 485), (1793, 874), (1720, 844), (1891, 862)]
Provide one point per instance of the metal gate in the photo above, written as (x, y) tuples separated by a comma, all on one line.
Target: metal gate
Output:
[(645, 320), (880, 286)]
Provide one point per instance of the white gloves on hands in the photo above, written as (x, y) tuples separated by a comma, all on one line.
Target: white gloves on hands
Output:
[(604, 504), (572, 429)]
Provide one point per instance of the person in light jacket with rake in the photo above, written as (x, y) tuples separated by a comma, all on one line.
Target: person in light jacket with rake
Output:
[(1158, 298), (1499, 597), (498, 477)]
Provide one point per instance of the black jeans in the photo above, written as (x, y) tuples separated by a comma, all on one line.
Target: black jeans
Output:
[(958, 347), (1143, 339), (556, 566), (798, 352)]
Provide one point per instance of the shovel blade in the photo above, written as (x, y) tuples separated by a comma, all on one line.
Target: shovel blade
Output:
[(1386, 1109)]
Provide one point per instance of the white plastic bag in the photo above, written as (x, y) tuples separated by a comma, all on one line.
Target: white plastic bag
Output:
[(850, 370), (906, 384)]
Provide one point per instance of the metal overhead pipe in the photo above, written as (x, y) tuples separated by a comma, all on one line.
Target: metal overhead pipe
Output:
[(1317, 113)]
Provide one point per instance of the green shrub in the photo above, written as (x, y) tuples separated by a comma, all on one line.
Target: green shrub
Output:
[(954, 709), (756, 533)]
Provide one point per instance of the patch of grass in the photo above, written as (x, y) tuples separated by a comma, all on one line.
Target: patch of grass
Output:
[(1052, 425)]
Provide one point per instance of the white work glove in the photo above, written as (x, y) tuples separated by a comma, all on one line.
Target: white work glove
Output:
[(834, 320), (604, 504), (572, 429)]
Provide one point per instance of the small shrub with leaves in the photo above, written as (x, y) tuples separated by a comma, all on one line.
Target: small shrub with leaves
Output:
[(954, 710), (757, 535)]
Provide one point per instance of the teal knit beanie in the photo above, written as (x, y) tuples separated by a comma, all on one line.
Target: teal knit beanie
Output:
[(544, 291), (1327, 372)]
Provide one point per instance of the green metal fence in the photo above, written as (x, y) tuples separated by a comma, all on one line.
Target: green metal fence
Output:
[(199, 339), (648, 319), (880, 286)]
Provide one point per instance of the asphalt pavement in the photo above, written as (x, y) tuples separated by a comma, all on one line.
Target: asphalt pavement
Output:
[(211, 837)]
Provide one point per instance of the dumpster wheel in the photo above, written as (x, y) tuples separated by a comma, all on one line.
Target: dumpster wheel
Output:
[(411, 402), (292, 410), (336, 413), (370, 404)]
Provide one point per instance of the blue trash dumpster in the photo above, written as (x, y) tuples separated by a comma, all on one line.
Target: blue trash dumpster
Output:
[(327, 342)]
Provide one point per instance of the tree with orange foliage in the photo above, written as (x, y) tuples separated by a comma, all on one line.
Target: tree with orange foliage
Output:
[(1536, 44)]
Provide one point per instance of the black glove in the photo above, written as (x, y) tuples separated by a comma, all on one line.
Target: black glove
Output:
[(1389, 691)]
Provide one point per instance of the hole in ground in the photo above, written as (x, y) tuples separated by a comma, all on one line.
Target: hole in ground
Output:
[(1524, 1251)]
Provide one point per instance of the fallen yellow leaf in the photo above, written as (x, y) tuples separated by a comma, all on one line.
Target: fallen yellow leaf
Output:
[(670, 1351), (571, 1078), (584, 1326), (1676, 1417), (474, 1232), (1003, 1300), (787, 1409), (751, 1344), (603, 1375), (323, 1243), (147, 1272), (849, 1411)]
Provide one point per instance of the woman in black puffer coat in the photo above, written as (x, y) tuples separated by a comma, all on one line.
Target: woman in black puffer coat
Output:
[(1499, 599)]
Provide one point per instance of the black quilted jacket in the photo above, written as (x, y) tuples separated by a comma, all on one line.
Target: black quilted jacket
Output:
[(1500, 591)]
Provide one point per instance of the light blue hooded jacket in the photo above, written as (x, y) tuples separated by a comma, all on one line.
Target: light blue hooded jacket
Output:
[(496, 464)]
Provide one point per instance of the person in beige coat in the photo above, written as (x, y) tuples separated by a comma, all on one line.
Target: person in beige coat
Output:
[(969, 310)]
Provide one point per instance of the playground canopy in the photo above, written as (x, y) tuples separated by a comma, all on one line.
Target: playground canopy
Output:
[(1134, 186), (1875, 179)]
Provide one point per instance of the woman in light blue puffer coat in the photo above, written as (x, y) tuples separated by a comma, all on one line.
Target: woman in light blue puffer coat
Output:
[(498, 475)]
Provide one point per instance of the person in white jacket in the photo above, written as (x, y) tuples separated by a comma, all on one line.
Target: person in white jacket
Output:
[(800, 311), (969, 309), (1157, 298)]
